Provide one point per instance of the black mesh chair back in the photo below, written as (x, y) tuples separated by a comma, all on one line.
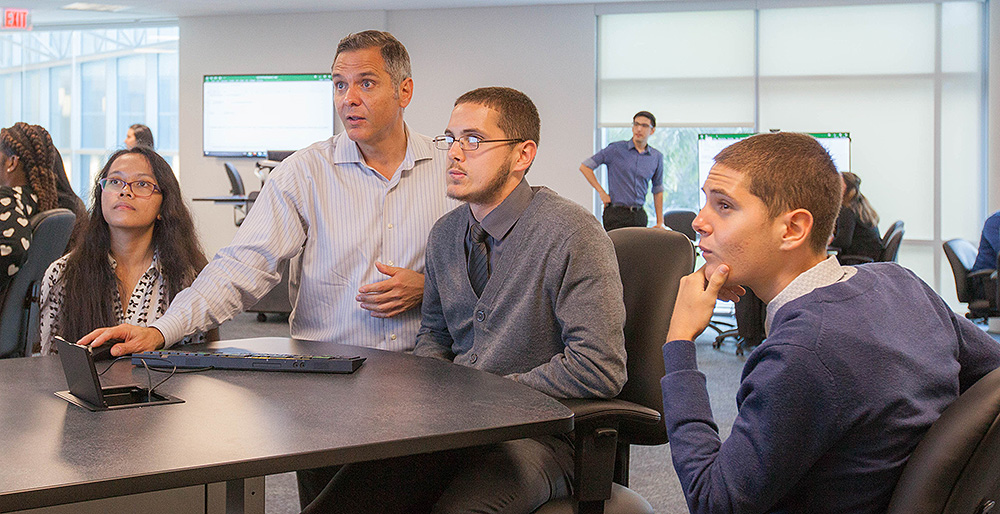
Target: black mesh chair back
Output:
[(961, 256), (890, 251), (19, 316), (681, 222), (897, 225), (651, 262), (235, 180), (956, 467)]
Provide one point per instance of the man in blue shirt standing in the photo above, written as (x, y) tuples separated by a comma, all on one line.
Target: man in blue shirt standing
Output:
[(632, 166)]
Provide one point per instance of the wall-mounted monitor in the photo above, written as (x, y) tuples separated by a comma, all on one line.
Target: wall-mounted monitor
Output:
[(247, 115), (837, 144)]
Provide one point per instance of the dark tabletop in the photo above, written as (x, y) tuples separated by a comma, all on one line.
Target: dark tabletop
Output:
[(239, 424)]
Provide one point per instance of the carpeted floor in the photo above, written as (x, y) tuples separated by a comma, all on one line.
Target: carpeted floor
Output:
[(651, 474)]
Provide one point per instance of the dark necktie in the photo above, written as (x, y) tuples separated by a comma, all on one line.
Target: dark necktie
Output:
[(479, 259)]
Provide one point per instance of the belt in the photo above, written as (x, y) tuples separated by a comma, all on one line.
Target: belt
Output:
[(632, 208)]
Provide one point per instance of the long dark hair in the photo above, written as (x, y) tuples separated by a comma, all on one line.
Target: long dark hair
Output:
[(91, 283), (143, 136), (32, 144), (855, 201)]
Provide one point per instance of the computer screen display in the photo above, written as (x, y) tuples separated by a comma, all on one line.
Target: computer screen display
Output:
[(838, 144), (247, 115)]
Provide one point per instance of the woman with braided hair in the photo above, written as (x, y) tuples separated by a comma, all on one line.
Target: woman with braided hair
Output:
[(27, 187)]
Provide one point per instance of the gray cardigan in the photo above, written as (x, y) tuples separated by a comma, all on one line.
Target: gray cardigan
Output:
[(551, 315)]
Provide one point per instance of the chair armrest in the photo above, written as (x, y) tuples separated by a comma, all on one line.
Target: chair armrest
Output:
[(612, 413), (983, 274), (596, 424)]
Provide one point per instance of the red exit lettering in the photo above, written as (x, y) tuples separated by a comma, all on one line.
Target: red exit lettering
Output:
[(15, 18)]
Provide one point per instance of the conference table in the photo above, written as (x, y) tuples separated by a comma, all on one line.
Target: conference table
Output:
[(235, 427)]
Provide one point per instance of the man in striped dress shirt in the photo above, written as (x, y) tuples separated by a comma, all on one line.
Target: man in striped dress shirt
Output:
[(358, 207)]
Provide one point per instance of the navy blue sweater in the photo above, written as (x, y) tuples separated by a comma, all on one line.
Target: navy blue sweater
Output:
[(833, 402)]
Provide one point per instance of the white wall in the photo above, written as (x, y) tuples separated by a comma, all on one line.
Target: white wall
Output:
[(300, 43), (993, 124), (546, 51)]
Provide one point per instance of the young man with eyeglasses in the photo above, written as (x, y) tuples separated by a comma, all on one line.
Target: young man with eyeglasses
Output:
[(632, 166), (521, 283)]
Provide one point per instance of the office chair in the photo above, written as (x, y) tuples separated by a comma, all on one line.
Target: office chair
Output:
[(982, 301), (651, 262), (680, 221), (893, 238), (236, 189), (956, 467), (891, 241), (19, 316)]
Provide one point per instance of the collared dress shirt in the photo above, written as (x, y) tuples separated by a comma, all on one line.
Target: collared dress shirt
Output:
[(334, 216), (827, 272), (501, 219), (630, 172)]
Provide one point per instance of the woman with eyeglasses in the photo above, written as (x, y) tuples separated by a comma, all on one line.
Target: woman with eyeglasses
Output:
[(137, 252)]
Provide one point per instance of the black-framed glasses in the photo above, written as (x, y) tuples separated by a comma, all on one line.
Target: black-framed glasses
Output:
[(468, 143), (139, 188)]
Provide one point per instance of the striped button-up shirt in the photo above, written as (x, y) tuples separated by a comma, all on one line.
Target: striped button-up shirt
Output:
[(342, 215)]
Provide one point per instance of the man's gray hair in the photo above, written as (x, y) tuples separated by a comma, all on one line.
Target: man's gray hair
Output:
[(397, 60)]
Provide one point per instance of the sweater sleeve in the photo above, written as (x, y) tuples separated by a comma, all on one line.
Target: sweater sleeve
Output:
[(786, 420), (433, 338), (591, 314), (978, 353)]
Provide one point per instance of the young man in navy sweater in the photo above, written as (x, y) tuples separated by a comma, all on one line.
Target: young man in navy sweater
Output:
[(858, 362)]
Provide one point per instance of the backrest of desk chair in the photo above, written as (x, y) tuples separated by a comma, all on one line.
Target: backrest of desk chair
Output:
[(961, 256), (681, 222), (890, 252), (651, 262), (897, 225), (957, 464), (235, 180), (50, 233)]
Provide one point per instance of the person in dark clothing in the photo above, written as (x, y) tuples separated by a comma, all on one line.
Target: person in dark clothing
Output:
[(139, 134), (859, 361), (989, 243), (856, 232), (27, 187)]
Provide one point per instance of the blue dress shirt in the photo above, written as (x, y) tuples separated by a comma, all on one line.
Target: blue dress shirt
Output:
[(629, 171)]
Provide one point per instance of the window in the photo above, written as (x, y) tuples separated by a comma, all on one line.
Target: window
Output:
[(906, 80), (87, 86)]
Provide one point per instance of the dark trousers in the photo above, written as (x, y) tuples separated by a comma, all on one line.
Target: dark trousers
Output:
[(618, 216), (511, 477)]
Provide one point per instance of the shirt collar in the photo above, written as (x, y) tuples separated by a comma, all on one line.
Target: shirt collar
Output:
[(501, 219), (825, 273), (346, 151), (631, 146)]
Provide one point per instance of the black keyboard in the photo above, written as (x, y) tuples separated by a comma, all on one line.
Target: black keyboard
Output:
[(249, 361)]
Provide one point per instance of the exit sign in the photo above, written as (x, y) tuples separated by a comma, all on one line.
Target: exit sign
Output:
[(15, 19)]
